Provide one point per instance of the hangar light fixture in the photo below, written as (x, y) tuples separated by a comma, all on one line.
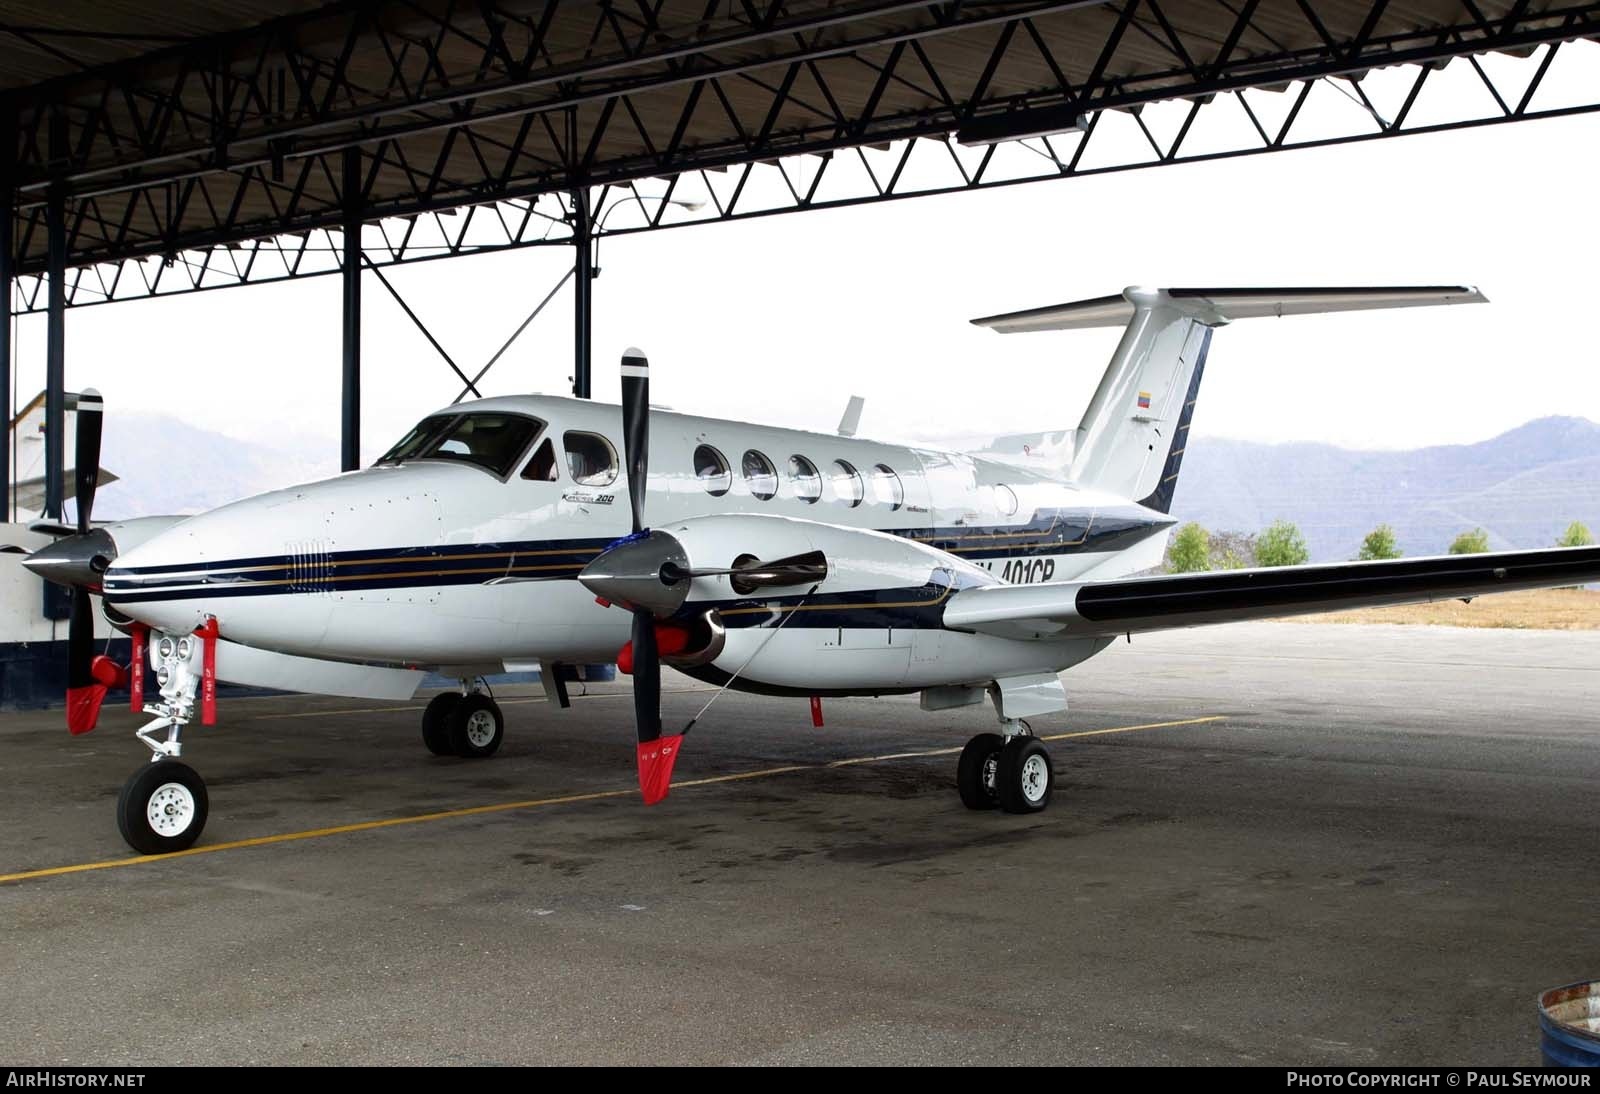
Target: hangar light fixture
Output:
[(1016, 125)]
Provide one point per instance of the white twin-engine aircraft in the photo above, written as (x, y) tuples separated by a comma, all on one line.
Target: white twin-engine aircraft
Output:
[(505, 533)]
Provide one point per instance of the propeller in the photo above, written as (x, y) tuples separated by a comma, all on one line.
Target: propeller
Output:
[(648, 573), (657, 754), (86, 687)]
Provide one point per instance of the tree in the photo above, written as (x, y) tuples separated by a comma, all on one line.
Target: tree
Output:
[(1232, 550), (1475, 542), (1576, 535), (1190, 551), (1282, 545), (1379, 544)]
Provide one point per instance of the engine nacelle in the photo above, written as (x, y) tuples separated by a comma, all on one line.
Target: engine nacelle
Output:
[(801, 607)]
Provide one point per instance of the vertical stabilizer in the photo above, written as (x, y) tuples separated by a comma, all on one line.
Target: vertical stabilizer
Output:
[(1132, 437)]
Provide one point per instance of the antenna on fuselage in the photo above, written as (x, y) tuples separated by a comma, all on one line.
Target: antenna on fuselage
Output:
[(852, 416)]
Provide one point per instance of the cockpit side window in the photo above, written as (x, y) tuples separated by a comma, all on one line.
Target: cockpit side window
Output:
[(542, 468), (492, 440), (590, 459)]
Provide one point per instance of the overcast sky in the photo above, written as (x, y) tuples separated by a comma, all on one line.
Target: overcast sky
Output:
[(781, 319)]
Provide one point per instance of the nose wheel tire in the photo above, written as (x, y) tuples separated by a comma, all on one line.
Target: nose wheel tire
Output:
[(976, 770), (1023, 777), (162, 808), (435, 727), (476, 726)]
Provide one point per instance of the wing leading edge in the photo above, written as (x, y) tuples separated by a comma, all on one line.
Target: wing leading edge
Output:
[(1190, 600)]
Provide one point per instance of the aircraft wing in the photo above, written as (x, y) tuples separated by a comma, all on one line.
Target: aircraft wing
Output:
[(1125, 606)]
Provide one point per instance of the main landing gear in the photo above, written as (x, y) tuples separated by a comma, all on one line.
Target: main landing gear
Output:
[(1009, 770), (466, 724)]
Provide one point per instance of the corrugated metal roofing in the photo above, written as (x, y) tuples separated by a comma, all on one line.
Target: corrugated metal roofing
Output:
[(185, 123)]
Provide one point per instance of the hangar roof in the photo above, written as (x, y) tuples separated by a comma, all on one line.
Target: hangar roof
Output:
[(193, 123)]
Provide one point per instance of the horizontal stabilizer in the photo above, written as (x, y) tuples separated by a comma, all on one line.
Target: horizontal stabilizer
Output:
[(1215, 307), (1135, 605)]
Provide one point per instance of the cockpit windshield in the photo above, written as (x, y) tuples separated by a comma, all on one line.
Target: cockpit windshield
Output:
[(490, 440)]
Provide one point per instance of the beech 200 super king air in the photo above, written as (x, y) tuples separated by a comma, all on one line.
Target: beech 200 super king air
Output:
[(505, 533)]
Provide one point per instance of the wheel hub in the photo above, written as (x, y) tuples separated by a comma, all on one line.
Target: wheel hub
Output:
[(171, 809), (1035, 778), (480, 728)]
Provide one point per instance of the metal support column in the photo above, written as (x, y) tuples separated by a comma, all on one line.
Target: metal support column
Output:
[(350, 402), (8, 153), (55, 373), (583, 284)]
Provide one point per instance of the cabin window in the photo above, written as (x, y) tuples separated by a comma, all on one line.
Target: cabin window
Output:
[(711, 468), (847, 483), (807, 483), (760, 475), (886, 486), (590, 459), (491, 440), (542, 468), (1006, 499)]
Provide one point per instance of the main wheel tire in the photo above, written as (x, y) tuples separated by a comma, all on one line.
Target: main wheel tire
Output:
[(975, 771), (1023, 778), (435, 723), (476, 726), (162, 808)]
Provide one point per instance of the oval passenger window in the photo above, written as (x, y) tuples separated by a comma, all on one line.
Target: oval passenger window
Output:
[(1006, 499), (590, 458), (847, 483), (711, 468), (760, 475), (886, 486), (807, 483)]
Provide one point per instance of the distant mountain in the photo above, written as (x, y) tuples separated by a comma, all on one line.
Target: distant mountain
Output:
[(167, 466), (1524, 487)]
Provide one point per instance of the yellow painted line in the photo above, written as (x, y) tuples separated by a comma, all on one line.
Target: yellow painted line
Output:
[(539, 803), (1053, 737)]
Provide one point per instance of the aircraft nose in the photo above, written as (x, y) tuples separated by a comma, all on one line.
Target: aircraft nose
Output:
[(75, 561)]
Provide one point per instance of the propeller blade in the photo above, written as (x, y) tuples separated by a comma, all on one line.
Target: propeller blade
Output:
[(636, 428), (80, 559), (657, 754), (84, 692), (646, 677), (87, 457)]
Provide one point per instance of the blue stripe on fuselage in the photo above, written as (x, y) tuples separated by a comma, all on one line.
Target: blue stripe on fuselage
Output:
[(1049, 532)]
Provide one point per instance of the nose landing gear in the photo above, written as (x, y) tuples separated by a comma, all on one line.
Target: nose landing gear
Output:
[(163, 805)]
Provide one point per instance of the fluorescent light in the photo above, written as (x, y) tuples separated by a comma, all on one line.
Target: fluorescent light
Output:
[(1015, 125)]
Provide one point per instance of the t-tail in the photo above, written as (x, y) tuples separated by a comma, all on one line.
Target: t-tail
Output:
[(1132, 437)]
